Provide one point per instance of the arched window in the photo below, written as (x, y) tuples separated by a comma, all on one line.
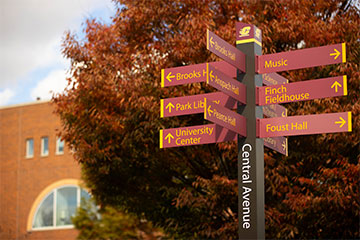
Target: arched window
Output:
[(57, 207)]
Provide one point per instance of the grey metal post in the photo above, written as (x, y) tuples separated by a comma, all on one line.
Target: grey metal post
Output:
[(251, 153)]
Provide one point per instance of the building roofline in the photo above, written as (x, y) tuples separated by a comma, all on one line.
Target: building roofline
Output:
[(24, 104)]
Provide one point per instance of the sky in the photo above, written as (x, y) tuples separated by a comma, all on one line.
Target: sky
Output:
[(31, 32)]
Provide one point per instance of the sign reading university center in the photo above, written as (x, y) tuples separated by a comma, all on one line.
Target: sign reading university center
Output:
[(195, 135)]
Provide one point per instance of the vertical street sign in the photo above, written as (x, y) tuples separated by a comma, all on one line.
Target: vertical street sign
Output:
[(225, 118), (195, 135), (224, 50), (193, 104), (226, 84), (192, 73), (270, 79), (303, 58), (302, 91), (251, 210), (279, 144), (303, 125)]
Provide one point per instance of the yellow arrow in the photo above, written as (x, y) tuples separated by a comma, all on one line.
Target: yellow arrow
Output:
[(336, 84), (170, 105), (211, 76), (341, 122), (211, 41), (283, 114), (336, 53), (168, 137), (210, 111), (169, 77)]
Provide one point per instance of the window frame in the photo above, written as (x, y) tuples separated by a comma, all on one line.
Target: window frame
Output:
[(27, 147), (42, 148), (54, 191), (57, 152)]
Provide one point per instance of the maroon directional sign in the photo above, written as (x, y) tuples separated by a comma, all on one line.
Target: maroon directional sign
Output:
[(279, 144), (226, 84), (302, 91), (225, 50), (270, 79), (195, 135), (274, 110), (193, 104), (303, 125), (225, 117), (304, 58), (193, 73)]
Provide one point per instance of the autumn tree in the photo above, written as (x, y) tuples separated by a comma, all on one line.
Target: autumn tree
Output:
[(111, 117)]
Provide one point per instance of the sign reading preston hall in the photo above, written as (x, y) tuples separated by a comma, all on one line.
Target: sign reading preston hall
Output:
[(304, 58), (303, 125), (302, 91), (193, 104), (224, 50), (225, 118), (195, 135), (226, 84)]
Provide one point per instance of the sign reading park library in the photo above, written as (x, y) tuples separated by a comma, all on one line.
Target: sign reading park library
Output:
[(253, 102)]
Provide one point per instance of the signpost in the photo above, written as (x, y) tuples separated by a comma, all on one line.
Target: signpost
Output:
[(248, 94), (303, 125), (225, 118), (227, 52), (195, 135), (304, 58), (302, 91)]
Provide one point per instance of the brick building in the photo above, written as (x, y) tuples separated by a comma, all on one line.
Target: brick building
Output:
[(39, 179)]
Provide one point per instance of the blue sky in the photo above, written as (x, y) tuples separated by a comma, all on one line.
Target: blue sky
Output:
[(31, 64)]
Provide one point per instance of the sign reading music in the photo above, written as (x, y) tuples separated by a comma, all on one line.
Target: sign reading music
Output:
[(302, 91), (303, 125), (303, 58), (195, 135)]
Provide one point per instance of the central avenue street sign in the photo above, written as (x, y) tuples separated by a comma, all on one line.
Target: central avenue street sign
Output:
[(304, 58), (302, 91), (303, 125)]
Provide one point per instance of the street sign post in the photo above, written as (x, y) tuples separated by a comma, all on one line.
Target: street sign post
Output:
[(225, 117), (224, 50), (193, 104), (303, 125), (195, 135), (302, 91), (304, 58), (226, 84)]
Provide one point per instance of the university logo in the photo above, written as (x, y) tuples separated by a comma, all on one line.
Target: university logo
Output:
[(245, 31)]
